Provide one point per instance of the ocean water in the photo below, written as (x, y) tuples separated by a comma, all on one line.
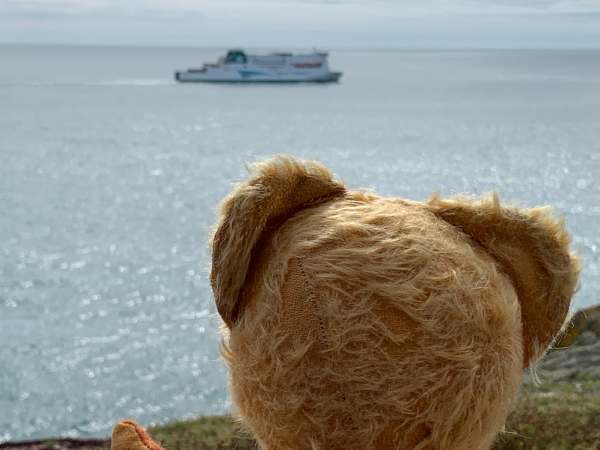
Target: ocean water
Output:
[(110, 174)]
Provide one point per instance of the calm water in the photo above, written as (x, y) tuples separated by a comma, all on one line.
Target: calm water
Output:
[(110, 174)]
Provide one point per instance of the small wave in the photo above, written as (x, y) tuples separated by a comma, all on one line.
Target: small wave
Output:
[(124, 82), (139, 82)]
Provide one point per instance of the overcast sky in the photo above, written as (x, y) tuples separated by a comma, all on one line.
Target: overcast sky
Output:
[(305, 23)]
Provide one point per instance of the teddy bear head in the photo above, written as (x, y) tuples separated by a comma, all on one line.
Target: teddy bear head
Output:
[(353, 321)]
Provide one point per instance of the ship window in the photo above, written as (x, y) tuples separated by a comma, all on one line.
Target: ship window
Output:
[(235, 56)]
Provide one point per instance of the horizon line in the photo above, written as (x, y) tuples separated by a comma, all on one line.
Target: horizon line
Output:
[(295, 47)]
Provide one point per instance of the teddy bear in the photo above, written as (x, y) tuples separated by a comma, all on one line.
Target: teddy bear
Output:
[(354, 321)]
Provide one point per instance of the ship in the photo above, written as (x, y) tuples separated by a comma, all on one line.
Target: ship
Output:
[(239, 67)]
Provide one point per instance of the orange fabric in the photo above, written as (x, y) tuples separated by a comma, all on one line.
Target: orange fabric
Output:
[(128, 435), (300, 314)]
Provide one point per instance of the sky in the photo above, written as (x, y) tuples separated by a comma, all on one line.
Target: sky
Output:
[(305, 23)]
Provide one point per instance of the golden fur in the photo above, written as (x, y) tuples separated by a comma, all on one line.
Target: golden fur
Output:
[(360, 322)]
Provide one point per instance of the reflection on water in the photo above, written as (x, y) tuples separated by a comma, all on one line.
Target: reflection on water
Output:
[(111, 173)]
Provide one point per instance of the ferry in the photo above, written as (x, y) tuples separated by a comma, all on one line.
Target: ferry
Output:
[(239, 67)]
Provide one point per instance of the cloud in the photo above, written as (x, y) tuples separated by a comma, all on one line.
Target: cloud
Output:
[(363, 23), (285, 10), (96, 10)]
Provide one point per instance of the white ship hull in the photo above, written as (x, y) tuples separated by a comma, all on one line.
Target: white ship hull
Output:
[(189, 76), (237, 67)]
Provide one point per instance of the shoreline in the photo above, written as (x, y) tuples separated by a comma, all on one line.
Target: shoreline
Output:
[(569, 390), (56, 443)]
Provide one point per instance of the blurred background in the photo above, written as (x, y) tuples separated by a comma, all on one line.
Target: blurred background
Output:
[(110, 172)]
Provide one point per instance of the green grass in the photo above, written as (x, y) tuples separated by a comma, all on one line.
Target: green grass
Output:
[(551, 416), (205, 433), (555, 416)]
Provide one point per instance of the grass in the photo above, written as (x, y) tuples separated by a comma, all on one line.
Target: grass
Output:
[(555, 416), (550, 416), (205, 433)]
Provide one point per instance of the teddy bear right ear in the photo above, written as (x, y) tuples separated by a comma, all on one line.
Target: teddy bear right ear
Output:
[(532, 248)]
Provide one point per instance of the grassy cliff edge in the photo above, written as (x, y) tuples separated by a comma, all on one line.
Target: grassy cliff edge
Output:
[(561, 413), (550, 416)]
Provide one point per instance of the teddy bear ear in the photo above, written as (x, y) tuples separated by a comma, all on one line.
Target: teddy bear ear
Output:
[(128, 435), (532, 248), (277, 189)]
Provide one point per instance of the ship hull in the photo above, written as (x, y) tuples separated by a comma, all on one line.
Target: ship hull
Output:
[(200, 77)]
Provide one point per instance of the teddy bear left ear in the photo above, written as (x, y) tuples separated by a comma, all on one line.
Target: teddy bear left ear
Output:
[(277, 189), (532, 248)]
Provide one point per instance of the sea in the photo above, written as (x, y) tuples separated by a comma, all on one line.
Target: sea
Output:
[(111, 173)]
